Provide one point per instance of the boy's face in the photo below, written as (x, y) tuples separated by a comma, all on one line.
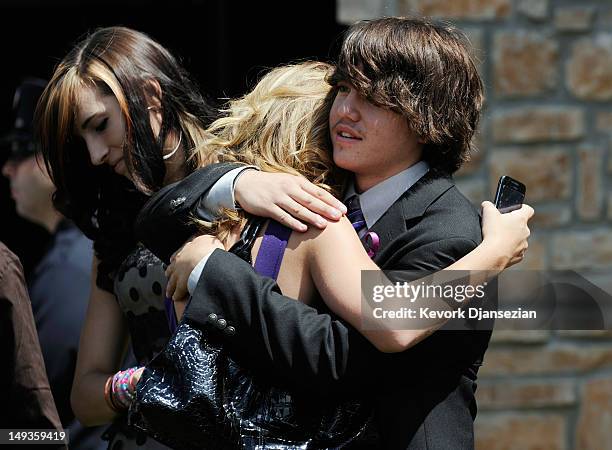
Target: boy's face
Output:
[(372, 142)]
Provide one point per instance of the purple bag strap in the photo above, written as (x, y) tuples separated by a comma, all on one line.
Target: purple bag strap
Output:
[(268, 262), (273, 245), (170, 314)]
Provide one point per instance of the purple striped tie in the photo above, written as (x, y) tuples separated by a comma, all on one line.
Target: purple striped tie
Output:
[(354, 213), (369, 239)]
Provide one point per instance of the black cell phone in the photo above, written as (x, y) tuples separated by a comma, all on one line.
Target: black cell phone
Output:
[(510, 194)]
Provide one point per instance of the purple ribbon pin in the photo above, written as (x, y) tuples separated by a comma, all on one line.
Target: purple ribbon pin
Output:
[(371, 242)]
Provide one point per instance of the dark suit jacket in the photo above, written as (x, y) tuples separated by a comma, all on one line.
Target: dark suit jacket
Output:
[(424, 395)]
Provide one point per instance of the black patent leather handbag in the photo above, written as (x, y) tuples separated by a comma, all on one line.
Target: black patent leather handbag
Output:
[(193, 396)]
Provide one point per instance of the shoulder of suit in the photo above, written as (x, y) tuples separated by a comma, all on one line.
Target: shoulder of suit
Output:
[(454, 197), (453, 215)]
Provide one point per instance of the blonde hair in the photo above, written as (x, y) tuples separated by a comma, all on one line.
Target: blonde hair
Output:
[(280, 126)]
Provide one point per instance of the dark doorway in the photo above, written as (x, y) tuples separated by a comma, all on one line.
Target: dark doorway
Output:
[(224, 44)]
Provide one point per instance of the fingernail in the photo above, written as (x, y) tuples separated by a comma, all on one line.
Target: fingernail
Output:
[(321, 223), (336, 214), (343, 208)]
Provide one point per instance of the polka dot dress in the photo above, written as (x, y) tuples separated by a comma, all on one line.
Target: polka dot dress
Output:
[(139, 286)]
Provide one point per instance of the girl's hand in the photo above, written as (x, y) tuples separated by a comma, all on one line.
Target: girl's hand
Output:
[(288, 199), (184, 260), (507, 233)]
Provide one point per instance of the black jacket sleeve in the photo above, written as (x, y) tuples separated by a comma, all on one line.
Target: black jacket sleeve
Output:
[(274, 334), (281, 337), (166, 222)]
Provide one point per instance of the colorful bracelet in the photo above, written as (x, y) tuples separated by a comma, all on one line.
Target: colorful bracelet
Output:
[(123, 387), (108, 396)]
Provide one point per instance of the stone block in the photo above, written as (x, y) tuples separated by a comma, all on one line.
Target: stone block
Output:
[(350, 11), (559, 359), (546, 172), (511, 431), (579, 250), (594, 430), (536, 10), (590, 190), (492, 395), (458, 9), (585, 334), (574, 18), (536, 257), (604, 19), (603, 121), (524, 63), (526, 337), (589, 68), (551, 216), (538, 124)]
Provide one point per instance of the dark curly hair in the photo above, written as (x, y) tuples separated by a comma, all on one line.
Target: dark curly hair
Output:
[(121, 62), (423, 71)]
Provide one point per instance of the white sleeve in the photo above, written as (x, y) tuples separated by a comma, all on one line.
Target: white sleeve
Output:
[(221, 194), (195, 274)]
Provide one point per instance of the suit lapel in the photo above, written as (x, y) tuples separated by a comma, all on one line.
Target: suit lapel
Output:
[(412, 204)]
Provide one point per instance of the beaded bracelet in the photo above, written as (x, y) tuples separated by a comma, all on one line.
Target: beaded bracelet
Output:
[(108, 396), (123, 387), (120, 387)]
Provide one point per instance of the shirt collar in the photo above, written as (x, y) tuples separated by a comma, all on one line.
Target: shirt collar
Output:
[(378, 199)]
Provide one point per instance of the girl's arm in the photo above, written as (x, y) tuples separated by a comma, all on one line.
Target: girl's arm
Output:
[(102, 347), (336, 258)]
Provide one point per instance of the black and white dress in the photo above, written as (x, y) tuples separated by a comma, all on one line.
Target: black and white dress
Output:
[(140, 285)]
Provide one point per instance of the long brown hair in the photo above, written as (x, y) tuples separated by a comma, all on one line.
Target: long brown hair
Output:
[(120, 62)]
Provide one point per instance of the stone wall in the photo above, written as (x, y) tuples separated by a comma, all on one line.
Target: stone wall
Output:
[(547, 67)]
